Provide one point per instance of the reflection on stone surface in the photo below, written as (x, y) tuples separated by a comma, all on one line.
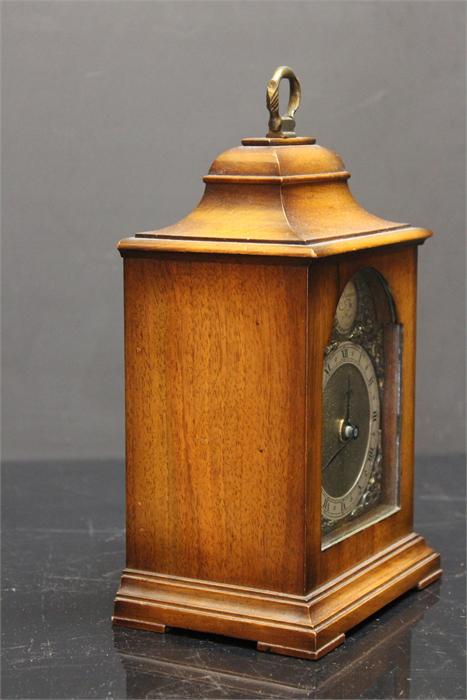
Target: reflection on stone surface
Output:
[(378, 666), (63, 551)]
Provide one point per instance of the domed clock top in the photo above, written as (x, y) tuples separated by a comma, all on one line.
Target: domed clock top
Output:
[(281, 194)]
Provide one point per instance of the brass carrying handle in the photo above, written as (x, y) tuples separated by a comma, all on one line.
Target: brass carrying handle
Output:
[(282, 126)]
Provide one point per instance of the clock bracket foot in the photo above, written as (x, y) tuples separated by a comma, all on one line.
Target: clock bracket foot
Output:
[(427, 580), (139, 624), (314, 655)]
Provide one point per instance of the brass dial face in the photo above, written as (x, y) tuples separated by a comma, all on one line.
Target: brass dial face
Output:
[(351, 428)]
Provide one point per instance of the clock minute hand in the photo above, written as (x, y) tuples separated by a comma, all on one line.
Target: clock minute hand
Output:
[(348, 431), (348, 394), (342, 447)]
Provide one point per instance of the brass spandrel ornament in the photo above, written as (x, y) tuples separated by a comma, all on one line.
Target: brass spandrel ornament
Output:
[(269, 370)]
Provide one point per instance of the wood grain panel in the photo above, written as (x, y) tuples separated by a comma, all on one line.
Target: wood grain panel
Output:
[(215, 420)]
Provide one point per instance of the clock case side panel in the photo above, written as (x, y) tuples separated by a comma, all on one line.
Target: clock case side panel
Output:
[(215, 363), (398, 267)]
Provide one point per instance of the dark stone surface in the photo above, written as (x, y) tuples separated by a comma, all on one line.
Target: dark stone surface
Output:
[(63, 552)]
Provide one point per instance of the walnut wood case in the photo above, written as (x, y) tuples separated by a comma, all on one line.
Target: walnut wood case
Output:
[(226, 317)]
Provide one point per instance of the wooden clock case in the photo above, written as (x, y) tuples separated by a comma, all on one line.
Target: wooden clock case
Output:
[(227, 314)]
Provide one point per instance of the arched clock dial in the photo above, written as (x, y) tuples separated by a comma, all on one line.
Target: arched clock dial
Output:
[(351, 421), (359, 447)]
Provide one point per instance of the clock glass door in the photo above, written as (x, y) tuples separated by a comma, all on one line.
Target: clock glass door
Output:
[(360, 413)]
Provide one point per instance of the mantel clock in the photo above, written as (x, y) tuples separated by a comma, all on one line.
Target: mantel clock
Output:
[(269, 367)]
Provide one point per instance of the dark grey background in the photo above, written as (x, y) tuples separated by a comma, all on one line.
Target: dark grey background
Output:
[(112, 112)]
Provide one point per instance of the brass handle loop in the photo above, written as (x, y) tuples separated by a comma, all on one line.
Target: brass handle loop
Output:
[(282, 126)]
